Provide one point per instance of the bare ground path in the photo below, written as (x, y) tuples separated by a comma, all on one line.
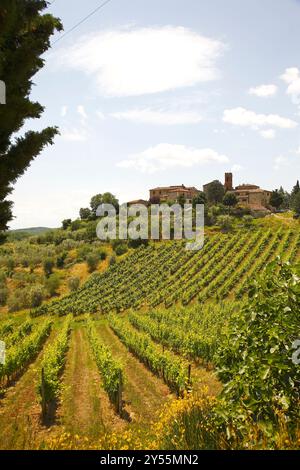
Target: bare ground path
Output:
[(144, 393), (85, 408), (19, 409)]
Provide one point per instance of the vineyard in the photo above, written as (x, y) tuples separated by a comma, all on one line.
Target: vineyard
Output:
[(145, 336), (166, 274)]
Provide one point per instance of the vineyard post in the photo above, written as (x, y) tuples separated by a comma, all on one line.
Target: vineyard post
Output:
[(43, 394), (120, 387), (189, 374)]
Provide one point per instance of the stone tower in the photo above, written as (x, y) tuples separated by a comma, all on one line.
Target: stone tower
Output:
[(228, 182)]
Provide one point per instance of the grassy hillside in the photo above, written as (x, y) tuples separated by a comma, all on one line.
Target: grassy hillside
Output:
[(166, 273), (140, 371)]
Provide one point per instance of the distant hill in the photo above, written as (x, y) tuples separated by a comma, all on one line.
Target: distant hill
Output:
[(34, 230), (26, 232)]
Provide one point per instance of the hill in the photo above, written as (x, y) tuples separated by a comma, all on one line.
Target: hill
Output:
[(166, 273), (19, 234), (165, 348)]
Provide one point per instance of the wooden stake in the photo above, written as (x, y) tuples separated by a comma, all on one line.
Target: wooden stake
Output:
[(43, 395)]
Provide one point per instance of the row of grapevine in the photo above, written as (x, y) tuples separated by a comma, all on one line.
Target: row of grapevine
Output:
[(23, 330), (263, 255), (21, 354), (52, 366), (213, 268), (192, 332), (169, 284), (171, 368), (6, 328), (166, 273), (110, 369), (295, 248), (220, 278)]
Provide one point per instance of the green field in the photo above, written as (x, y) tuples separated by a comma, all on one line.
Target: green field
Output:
[(143, 341)]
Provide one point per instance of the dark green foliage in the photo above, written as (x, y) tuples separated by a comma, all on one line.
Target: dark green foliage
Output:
[(92, 262), (296, 203), (36, 295), (256, 359), (201, 198), (60, 262), (52, 284), (286, 198), (66, 223), (85, 213), (106, 198), (215, 192), (230, 200), (181, 200), (276, 199), (121, 249), (24, 38), (48, 266)]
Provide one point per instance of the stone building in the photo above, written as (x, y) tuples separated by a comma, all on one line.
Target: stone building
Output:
[(248, 195), (173, 193), (253, 196)]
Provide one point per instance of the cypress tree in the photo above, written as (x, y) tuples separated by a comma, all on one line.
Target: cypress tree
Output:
[(25, 33)]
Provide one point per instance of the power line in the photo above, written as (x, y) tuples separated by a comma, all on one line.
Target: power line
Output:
[(82, 21)]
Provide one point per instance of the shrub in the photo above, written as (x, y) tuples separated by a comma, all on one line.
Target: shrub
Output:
[(74, 283), (36, 296), (66, 223), (3, 295), (68, 244), (75, 225), (248, 221), (102, 255), (83, 251), (121, 249), (92, 262), (225, 222), (34, 261), (112, 260), (24, 262), (10, 264), (18, 300), (52, 284), (48, 266), (60, 262)]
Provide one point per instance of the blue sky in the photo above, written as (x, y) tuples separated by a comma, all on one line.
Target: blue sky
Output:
[(149, 93)]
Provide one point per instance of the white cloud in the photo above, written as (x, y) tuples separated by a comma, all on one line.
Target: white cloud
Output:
[(279, 162), (100, 115), (264, 91), (245, 118), (268, 134), (81, 111), (160, 117), (74, 135), (236, 168), (137, 61), (291, 76), (166, 156), (63, 111)]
